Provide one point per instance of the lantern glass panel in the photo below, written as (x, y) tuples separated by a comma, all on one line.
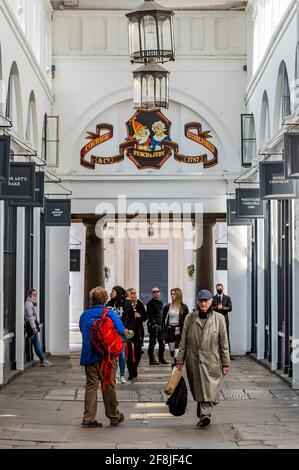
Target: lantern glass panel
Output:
[(134, 35), (148, 27), (137, 91), (165, 33)]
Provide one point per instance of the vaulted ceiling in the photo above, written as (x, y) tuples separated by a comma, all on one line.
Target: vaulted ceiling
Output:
[(129, 4)]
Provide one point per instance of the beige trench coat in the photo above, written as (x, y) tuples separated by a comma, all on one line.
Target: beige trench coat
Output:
[(205, 351)]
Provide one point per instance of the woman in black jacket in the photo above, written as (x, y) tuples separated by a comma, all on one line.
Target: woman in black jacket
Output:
[(174, 315), (133, 318), (117, 301)]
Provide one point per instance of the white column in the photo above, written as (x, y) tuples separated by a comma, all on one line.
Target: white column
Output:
[(274, 285), (20, 282), (295, 357), (260, 292), (36, 248), (237, 287), (1, 290), (57, 290)]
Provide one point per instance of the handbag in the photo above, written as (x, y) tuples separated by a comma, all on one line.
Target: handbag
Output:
[(173, 381), (28, 328), (177, 403)]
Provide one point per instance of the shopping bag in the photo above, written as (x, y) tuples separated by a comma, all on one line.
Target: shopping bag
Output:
[(173, 381)]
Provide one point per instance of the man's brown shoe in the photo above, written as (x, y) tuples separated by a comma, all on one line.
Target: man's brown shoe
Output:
[(93, 424), (117, 421)]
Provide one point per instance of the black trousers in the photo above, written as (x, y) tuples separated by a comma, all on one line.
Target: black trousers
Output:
[(154, 336), (132, 365)]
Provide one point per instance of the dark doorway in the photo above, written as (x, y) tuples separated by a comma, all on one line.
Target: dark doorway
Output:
[(254, 287), (153, 272), (267, 279)]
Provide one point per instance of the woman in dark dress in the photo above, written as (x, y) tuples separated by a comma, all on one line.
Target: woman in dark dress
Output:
[(174, 315), (133, 318)]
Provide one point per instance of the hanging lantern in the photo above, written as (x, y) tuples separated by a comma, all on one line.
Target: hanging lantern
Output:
[(151, 83), (151, 36)]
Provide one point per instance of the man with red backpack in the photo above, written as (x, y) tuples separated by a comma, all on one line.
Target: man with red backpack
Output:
[(101, 329)]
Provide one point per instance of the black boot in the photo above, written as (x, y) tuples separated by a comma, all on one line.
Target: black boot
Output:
[(153, 361), (162, 360)]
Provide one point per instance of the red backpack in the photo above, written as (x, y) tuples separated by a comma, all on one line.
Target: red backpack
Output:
[(107, 341)]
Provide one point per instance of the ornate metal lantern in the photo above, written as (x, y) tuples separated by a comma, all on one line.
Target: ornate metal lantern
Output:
[(151, 35), (151, 84)]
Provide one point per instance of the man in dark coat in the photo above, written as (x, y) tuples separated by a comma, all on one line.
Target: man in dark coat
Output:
[(223, 304), (155, 327)]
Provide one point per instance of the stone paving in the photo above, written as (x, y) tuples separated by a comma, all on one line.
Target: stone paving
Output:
[(42, 408)]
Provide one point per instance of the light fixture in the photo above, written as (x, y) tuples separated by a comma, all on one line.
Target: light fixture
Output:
[(151, 83), (151, 35)]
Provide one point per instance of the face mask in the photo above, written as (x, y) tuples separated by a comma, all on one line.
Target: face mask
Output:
[(219, 291)]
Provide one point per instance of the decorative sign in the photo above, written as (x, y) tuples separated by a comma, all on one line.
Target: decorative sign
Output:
[(249, 204), (273, 184), (38, 200), (75, 258), (221, 259), (148, 143), (291, 155), (232, 218), (4, 158), (57, 212), (21, 183)]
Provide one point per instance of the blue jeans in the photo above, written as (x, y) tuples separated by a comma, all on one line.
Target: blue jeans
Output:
[(37, 347), (122, 361)]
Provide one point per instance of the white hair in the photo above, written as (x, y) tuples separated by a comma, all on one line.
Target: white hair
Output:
[(160, 123)]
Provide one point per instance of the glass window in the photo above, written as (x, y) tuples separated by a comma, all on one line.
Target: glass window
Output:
[(248, 139)]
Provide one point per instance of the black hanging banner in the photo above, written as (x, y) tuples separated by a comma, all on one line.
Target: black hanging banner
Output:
[(39, 193), (273, 183), (232, 219), (249, 204), (21, 183), (4, 158), (57, 212), (291, 155), (221, 259)]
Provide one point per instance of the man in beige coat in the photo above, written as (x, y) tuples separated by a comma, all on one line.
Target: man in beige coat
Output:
[(204, 348)]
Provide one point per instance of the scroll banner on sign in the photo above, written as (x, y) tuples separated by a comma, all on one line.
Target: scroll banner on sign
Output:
[(148, 143)]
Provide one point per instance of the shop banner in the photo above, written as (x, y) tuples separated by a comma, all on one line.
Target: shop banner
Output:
[(57, 212), (39, 193), (273, 183), (21, 183), (291, 155), (4, 158), (249, 204)]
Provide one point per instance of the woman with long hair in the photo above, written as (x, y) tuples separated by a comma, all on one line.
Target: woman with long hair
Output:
[(174, 315), (134, 316), (117, 300), (32, 326)]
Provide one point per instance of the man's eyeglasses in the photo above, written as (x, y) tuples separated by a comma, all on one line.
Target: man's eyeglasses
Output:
[(155, 291)]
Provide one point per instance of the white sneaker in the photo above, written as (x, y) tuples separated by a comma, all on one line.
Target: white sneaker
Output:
[(123, 380), (46, 363), (117, 380)]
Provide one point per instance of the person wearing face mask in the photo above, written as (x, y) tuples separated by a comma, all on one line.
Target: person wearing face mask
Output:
[(204, 349), (223, 304), (32, 326)]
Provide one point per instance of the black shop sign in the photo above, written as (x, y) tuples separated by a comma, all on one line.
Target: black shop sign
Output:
[(273, 183), (291, 155), (21, 183), (39, 193), (4, 158), (57, 212), (249, 204)]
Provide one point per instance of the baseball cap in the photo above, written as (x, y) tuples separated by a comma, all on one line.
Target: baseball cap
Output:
[(204, 295)]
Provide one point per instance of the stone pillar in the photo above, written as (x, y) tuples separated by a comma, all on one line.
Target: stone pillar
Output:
[(94, 261), (204, 258), (20, 282), (238, 273), (295, 344)]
